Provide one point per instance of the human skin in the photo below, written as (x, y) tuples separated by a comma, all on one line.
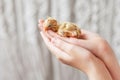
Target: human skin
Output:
[(77, 57), (97, 46), (98, 62)]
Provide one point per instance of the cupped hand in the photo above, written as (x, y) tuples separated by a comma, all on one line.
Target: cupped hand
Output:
[(97, 46), (75, 55)]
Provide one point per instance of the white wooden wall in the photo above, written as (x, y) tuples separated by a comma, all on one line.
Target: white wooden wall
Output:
[(24, 56)]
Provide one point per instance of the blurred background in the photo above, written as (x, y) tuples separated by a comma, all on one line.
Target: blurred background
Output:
[(23, 54)]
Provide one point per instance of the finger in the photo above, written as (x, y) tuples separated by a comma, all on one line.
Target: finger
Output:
[(40, 27), (87, 44), (88, 35), (50, 34), (67, 47), (40, 24), (57, 52), (62, 45), (41, 21)]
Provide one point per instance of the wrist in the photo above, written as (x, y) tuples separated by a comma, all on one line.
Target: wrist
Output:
[(98, 71)]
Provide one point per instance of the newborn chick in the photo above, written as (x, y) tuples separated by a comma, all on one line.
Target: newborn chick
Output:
[(50, 24), (68, 29)]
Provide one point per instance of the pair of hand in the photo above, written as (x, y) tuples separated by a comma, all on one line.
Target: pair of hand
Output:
[(90, 54)]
